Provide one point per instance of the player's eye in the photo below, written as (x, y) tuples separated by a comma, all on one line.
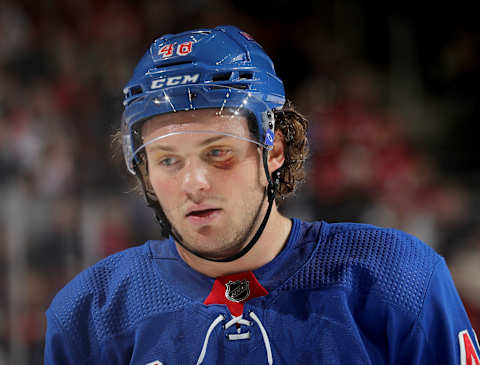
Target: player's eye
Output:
[(219, 154), (168, 161), (221, 157)]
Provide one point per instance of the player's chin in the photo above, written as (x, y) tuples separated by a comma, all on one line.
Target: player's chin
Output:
[(217, 250), (205, 245), (207, 233)]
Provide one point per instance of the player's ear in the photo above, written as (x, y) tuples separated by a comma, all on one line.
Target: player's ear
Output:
[(276, 157)]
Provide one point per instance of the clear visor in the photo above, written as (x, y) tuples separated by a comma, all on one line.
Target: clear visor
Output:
[(205, 111)]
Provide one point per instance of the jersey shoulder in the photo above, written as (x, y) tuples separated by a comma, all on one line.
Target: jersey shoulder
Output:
[(111, 297), (367, 259)]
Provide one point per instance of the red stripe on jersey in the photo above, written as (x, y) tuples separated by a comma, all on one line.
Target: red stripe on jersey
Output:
[(468, 354)]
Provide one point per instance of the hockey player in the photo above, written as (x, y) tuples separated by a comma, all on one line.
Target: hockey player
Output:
[(214, 147)]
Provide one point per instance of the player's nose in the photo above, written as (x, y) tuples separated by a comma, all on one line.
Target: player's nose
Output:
[(194, 180)]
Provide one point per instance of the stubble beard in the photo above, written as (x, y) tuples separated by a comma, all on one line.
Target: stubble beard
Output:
[(229, 241)]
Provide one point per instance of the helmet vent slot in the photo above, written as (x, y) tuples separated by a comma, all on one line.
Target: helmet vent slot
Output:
[(135, 90), (232, 85), (163, 65), (245, 75), (222, 76)]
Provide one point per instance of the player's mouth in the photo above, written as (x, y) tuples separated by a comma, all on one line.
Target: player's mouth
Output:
[(203, 216)]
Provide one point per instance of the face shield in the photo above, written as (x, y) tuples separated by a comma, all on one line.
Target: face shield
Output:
[(200, 109)]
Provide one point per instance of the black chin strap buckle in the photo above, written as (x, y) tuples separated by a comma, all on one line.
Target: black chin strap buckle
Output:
[(273, 185)]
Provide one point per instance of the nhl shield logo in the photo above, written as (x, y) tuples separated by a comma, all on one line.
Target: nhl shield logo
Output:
[(237, 291)]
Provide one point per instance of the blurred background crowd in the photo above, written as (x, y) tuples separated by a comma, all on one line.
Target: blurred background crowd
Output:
[(390, 92)]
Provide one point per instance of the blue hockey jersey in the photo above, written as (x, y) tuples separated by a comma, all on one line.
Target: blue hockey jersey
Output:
[(337, 294)]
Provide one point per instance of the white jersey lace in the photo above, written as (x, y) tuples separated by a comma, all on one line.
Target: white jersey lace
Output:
[(239, 335)]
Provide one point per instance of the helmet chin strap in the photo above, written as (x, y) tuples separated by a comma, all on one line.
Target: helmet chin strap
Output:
[(167, 228)]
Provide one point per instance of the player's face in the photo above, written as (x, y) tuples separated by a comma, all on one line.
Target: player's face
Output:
[(210, 186)]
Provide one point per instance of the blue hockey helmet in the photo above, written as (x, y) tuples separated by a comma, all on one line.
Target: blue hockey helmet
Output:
[(222, 68)]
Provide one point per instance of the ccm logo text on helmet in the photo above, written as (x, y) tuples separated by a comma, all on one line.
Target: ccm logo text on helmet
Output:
[(174, 80)]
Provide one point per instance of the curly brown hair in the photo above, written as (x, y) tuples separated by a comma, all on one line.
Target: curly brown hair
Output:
[(293, 127)]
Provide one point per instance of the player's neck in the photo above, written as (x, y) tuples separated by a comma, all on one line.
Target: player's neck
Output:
[(269, 245)]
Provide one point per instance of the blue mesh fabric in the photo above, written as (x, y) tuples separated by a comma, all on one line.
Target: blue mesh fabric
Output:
[(127, 308), (394, 264), (96, 301)]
